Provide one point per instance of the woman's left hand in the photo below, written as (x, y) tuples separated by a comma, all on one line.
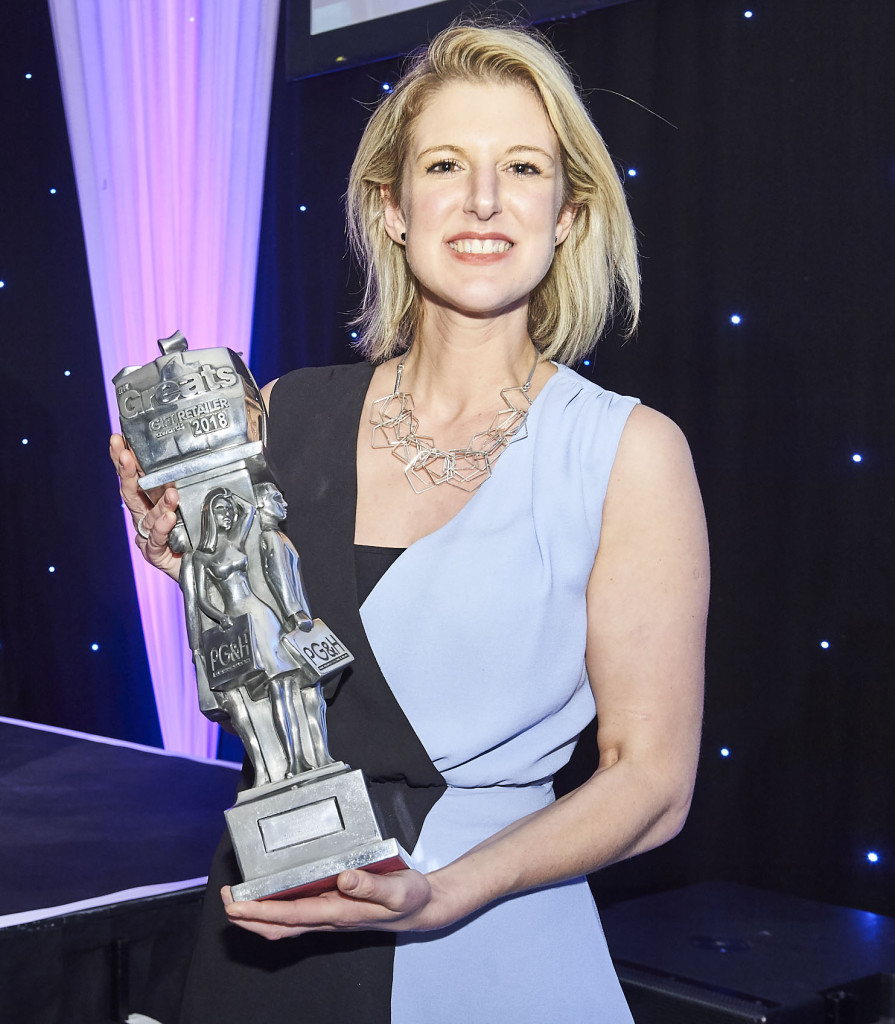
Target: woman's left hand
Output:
[(399, 901)]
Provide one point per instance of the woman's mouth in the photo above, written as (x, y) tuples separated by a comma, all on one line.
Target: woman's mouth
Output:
[(480, 246)]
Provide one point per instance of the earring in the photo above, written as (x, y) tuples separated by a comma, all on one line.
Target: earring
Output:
[(403, 237)]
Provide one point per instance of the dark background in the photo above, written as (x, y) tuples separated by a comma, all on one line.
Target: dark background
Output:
[(771, 197)]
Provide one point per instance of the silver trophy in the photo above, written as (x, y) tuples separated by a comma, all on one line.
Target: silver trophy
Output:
[(196, 420)]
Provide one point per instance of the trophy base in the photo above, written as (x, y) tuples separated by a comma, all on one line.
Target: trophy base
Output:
[(313, 879), (294, 837)]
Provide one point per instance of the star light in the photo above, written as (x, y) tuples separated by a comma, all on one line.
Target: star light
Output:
[(386, 87), (873, 856), (736, 318), (52, 568), (857, 457), (825, 644), (94, 647), (302, 208), (725, 752), (747, 14), (632, 172)]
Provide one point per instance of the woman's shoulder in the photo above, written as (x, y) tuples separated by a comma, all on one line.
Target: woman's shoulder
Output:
[(318, 382), (574, 404)]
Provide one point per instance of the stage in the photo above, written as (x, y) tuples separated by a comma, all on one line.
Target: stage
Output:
[(104, 847)]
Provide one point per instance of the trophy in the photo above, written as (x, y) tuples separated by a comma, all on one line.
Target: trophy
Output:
[(196, 420)]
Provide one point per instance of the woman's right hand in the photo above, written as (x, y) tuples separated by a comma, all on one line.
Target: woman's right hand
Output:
[(153, 520)]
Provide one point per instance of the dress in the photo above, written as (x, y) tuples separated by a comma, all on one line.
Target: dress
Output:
[(486, 695)]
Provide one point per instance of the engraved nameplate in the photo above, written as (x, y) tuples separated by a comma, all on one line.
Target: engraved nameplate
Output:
[(301, 825)]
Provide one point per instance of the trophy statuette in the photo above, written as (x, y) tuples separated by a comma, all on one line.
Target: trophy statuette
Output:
[(195, 420)]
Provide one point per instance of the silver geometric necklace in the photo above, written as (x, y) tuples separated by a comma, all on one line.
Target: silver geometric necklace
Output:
[(395, 426)]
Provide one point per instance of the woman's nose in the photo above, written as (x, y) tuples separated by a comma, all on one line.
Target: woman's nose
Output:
[(483, 197)]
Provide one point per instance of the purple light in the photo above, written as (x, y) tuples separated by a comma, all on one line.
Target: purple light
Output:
[(197, 220)]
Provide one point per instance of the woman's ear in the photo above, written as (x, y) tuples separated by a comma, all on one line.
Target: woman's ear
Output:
[(564, 222), (392, 217)]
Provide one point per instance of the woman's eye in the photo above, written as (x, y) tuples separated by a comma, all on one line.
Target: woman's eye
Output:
[(442, 167), (523, 168)]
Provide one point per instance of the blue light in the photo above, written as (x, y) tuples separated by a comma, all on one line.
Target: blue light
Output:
[(302, 208), (28, 74), (632, 172), (747, 14), (825, 644), (2, 284), (52, 568), (725, 752), (24, 440), (736, 319), (857, 458), (52, 191), (67, 373), (587, 362), (386, 87), (94, 647), (354, 334), (873, 857)]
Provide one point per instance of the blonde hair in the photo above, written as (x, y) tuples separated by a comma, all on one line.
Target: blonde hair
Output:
[(594, 272)]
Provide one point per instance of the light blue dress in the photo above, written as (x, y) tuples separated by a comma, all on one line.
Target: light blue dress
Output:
[(492, 679)]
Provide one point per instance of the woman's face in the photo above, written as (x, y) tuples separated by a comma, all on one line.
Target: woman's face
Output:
[(481, 198), (222, 510)]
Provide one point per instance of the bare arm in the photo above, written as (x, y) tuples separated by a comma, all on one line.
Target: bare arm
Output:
[(646, 604)]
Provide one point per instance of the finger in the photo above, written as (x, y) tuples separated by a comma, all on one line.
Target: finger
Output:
[(136, 501), (155, 523), (384, 890), (322, 913)]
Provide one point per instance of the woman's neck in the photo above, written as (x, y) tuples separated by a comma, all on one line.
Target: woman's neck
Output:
[(454, 373)]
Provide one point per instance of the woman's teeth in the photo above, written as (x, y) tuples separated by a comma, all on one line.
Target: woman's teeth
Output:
[(480, 245)]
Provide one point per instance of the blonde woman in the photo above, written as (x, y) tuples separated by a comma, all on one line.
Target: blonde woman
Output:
[(505, 547)]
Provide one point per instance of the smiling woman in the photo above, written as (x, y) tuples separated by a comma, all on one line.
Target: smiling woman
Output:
[(570, 305), (548, 562)]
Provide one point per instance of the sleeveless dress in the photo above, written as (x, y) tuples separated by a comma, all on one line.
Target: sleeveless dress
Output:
[(467, 693)]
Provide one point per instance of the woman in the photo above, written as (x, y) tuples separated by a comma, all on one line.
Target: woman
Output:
[(526, 547)]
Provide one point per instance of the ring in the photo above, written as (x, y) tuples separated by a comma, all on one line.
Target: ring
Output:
[(141, 529)]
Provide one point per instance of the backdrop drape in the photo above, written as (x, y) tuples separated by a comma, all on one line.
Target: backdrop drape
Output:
[(167, 108)]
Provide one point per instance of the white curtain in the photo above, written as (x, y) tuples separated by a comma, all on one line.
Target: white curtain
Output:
[(167, 104)]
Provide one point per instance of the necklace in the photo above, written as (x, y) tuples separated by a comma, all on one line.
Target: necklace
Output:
[(395, 426)]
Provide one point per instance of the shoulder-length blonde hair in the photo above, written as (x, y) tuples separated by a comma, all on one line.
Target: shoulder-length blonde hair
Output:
[(594, 272)]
